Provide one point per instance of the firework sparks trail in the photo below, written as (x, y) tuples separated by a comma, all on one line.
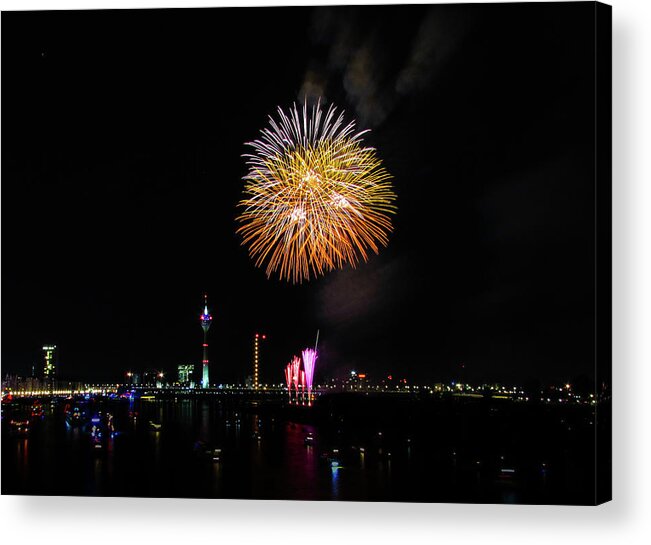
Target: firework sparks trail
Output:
[(296, 365), (309, 364), (288, 380), (303, 386), (315, 197)]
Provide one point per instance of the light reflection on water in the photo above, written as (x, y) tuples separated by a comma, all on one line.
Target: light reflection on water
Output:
[(335, 482), (262, 455), (22, 447), (299, 464)]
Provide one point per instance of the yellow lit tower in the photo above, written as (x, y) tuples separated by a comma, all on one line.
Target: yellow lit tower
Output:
[(256, 359)]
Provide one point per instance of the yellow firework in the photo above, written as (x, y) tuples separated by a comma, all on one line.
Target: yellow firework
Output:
[(315, 197)]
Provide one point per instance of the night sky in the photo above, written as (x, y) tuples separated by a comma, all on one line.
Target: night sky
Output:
[(122, 136)]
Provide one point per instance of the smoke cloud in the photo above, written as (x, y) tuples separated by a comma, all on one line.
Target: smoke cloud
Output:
[(374, 73)]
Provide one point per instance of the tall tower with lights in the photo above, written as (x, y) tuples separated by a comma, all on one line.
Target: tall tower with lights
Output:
[(206, 320), (256, 359)]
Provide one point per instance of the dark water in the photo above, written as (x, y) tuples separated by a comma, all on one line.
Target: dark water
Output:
[(357, 452)]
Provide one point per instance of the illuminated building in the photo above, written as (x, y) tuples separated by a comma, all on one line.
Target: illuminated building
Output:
[(150, 377), (186, 375), (206, 320), (256, 359), (49, 369)]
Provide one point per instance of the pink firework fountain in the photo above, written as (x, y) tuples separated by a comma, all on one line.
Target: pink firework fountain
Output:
[(296, 374), (309, 364), (288, 380)]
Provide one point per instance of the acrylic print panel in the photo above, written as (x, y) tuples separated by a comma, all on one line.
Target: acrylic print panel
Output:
[(316, 253)]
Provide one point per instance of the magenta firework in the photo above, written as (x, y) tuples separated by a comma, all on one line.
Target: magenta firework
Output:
[(303, 386), (288, 379), (309, 364), (301, 379), (296, 374)]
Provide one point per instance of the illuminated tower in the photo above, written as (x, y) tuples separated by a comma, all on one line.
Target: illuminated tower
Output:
[(49, 368), (206, 320), (256, 359)]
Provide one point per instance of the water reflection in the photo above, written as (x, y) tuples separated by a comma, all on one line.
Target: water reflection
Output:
[(157, 446), (204, 419), (97, 475), (217, 478), (22, 447), (208, 449), (335, 482), (299, 463)]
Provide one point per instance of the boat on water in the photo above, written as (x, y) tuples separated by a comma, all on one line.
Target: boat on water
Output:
[(76, 415), (208, 452)]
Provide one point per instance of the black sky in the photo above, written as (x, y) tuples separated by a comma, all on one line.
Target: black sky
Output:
[(122, 135)]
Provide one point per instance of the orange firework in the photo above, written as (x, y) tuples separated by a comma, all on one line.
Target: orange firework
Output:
[(315, 197)]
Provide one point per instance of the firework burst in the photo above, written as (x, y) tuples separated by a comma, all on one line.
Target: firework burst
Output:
[(315, 197)]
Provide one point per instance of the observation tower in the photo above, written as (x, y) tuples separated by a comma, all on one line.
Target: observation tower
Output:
[(206, 320)]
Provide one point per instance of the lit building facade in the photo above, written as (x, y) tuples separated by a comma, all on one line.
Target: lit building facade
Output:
[(186, 375), (49, 365), (149, 377)]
